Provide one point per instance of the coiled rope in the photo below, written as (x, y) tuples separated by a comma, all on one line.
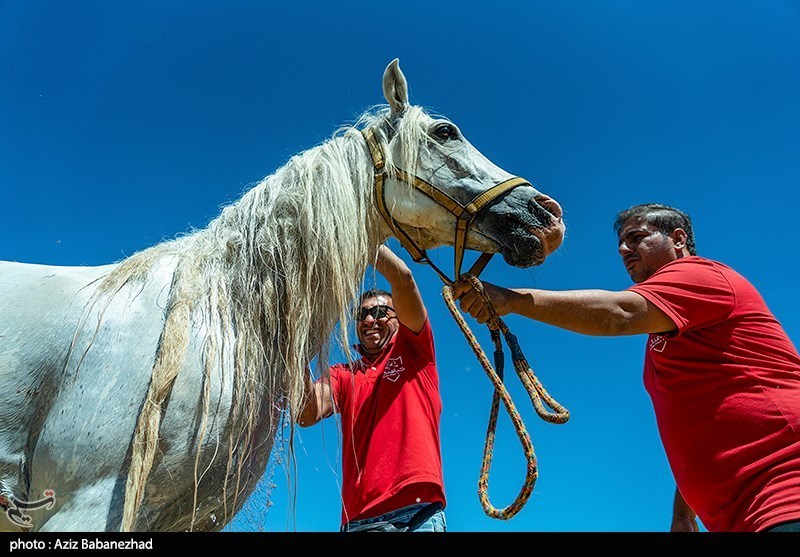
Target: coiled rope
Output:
[(533, 386)]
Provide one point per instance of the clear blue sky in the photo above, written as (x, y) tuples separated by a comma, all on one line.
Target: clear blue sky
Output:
[(125, 123)]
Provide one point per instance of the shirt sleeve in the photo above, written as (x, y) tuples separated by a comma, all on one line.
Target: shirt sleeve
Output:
[(692, 292), (334, 379), (421, 341)]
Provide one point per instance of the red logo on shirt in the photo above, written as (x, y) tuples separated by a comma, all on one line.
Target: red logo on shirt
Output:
[(393, 368), (658, 343)]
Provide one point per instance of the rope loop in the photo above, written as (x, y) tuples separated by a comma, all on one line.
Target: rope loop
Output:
[(536, 391)]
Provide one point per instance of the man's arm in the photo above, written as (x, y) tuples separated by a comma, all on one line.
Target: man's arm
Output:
[(317, 403), (407, 299), (591, 312), (684, 519)]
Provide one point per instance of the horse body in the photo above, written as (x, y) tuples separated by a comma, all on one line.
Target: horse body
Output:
[(69, 426), (42, 309), (146, 394)]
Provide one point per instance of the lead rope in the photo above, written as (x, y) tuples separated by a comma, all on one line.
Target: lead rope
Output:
[(533, 386)]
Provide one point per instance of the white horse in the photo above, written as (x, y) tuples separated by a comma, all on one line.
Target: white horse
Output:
[(145, 394)]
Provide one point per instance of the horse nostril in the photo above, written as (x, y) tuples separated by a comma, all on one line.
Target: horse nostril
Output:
[(551, 206)]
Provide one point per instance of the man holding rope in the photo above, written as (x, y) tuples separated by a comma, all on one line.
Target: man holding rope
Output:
[(722, 374)]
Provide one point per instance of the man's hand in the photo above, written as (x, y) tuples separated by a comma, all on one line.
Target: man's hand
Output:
[(472, 302), (684, 519), (684, 524)]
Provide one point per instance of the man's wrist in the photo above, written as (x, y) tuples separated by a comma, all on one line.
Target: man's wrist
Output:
[(520, 302)]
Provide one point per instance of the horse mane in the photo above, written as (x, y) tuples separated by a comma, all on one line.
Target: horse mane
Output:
[(275, 272)]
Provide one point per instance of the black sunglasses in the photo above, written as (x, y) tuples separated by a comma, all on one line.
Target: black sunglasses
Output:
[(377, 312)]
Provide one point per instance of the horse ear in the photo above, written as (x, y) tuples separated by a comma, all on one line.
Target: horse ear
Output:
[(395, 87)]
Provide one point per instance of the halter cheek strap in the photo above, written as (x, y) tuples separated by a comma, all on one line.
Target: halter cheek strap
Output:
[(465, 214)]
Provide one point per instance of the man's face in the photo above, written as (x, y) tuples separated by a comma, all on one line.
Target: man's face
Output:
[(643, 249), (374, 332)]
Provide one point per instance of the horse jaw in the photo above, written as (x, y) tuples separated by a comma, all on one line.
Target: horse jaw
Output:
[(430, 227)]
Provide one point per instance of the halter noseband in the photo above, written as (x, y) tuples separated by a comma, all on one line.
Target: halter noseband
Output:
[(464, 214)]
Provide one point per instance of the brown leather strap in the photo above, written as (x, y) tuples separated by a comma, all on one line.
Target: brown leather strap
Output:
[(464, 213)]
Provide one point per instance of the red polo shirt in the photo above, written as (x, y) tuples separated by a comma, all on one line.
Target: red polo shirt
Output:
[(726, 393), (390, 411)]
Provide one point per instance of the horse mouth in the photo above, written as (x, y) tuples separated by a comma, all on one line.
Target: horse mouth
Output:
[(520, 259), (551, 237), (531, 248), (525, 246), (528, 244)]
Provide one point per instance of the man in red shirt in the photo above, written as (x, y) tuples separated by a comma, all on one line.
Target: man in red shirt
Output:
[(390, 408), (723, 375)]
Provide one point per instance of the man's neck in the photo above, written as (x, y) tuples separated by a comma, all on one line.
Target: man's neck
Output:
[(370, 356)]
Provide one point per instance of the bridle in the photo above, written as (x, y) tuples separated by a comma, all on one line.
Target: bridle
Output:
[(465, 214)]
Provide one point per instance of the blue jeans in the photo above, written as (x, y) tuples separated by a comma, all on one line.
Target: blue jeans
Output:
[(404, 519)]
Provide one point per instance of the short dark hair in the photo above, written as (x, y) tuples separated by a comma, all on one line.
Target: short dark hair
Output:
[(663, 217), (373, 293)]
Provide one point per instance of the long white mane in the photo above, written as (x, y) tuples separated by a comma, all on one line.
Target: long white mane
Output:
[(273, 274)]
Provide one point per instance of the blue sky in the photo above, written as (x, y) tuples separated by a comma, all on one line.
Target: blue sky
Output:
[(123, 124)]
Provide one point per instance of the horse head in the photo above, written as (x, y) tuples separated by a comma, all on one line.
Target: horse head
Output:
[(433, 188)]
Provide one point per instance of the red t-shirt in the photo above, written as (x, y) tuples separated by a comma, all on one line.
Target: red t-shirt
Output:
[(726, 393), (390, 411)]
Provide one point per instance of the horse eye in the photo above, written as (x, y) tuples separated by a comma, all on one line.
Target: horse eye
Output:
[(445, 132)]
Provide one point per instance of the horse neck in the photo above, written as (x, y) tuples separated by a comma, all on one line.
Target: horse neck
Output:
[(273, 273)]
